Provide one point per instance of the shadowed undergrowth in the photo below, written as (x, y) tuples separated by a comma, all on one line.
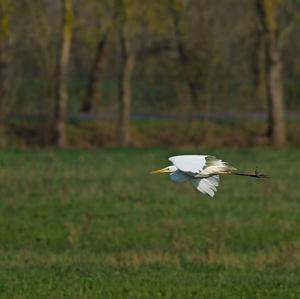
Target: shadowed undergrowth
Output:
[(146, 133)]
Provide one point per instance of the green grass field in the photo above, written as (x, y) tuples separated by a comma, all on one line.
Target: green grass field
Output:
[(95, 224)]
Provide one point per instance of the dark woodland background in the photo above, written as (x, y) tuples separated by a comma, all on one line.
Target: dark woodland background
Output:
[(129, 72)]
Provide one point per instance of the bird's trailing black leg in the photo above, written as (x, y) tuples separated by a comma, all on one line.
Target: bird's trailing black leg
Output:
[(255, 174)]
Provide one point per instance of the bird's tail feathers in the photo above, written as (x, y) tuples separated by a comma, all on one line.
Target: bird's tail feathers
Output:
[(214, 165)]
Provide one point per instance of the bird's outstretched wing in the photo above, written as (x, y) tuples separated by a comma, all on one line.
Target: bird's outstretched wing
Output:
[(207, 185), (190, 164)]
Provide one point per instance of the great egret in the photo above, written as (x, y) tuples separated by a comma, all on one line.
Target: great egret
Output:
[(203, 170)]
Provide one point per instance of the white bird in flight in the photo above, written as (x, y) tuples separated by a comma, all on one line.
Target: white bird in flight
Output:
[(203, 170)]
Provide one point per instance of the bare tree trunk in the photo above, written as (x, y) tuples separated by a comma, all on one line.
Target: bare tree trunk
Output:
[(273, 72), (258, 68), (4, 34), (276, 128), (93, 91), (61, 93), (182, 53), (128, 59), (127, 65)]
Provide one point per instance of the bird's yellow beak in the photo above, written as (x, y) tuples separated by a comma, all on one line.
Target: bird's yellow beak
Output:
[(162, 170)]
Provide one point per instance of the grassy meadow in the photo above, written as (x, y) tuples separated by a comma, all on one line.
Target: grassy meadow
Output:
[(95, 224)]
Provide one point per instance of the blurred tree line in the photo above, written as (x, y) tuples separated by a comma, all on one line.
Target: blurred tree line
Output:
[(90, 56)]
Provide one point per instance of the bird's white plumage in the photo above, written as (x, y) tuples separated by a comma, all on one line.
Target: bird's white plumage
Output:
[(202, 170), (191, 164), (214, 180), (207, 185)]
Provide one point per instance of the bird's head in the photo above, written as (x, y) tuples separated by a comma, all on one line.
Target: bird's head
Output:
[(167, 169)]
